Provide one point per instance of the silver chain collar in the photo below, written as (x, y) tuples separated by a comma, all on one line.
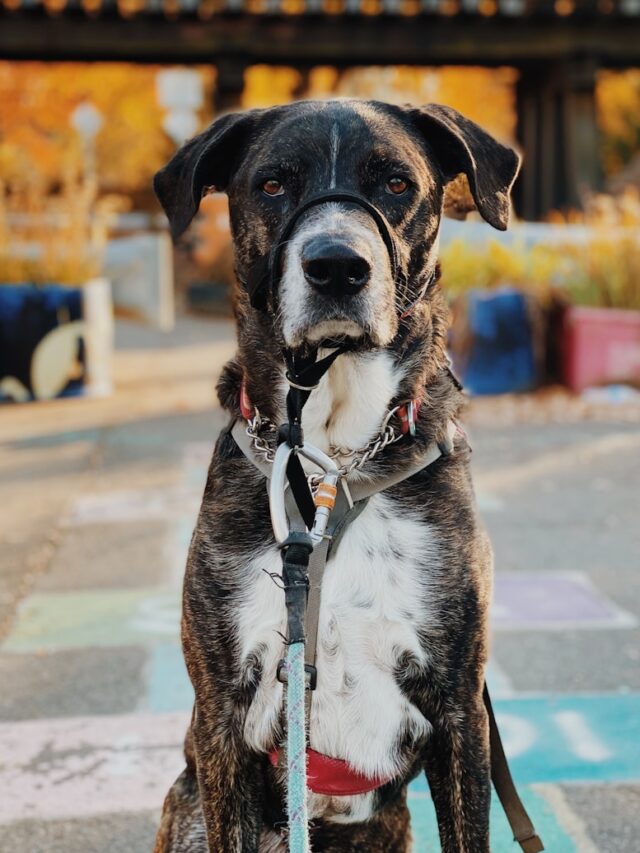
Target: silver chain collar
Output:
[(357, 458)]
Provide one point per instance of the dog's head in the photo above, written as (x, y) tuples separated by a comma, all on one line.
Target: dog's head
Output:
[(341, 274)]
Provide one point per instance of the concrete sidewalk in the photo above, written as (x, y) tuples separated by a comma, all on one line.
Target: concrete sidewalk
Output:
[(99, 499)]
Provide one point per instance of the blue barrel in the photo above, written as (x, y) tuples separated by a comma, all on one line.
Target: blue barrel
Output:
[(27, 314), (493, 344)]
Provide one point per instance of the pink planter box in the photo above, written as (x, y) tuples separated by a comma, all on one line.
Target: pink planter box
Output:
[(600, 346)]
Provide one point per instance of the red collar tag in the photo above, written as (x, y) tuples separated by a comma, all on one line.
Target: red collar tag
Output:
[(332, 776), (408, 415)]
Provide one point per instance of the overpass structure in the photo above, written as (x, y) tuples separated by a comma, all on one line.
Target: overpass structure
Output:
[(557, 46)]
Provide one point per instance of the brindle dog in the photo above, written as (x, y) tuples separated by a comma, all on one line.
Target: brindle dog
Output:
[(403, 621)]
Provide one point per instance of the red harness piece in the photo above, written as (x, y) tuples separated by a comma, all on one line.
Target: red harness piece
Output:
[(332, 776)]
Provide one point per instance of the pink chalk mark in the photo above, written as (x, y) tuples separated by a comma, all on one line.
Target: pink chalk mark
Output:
[(62, 768)]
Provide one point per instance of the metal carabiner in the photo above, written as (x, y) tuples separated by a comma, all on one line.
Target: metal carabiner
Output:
[(324, 498)]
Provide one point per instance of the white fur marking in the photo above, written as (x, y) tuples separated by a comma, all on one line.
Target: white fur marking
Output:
[(375, 599), (349, 405), (262, 622), (335, 140), (373, 604)]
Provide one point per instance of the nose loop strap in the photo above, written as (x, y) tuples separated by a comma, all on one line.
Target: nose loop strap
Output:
[(264, 275)]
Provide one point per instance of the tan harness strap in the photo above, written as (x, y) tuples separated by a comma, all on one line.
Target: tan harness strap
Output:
[(317, 563), (523, 830)]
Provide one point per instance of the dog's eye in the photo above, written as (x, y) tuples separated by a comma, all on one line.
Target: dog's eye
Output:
[(397, 185), (272, 187)]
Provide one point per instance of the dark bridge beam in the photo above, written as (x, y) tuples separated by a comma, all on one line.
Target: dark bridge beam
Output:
[(311, 40)]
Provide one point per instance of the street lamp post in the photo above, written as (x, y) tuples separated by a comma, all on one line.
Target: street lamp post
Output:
[(87, 120), (180, 92)]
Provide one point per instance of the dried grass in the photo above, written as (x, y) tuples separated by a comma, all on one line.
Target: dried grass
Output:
[(604, 272)]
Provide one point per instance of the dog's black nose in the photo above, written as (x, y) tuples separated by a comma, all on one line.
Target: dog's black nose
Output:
[(333, 267)]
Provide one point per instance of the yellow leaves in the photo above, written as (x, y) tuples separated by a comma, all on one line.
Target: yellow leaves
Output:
[(601, 268), (53, 225), (618, 103), (268, 85), (323, 80), (37, 102), (488, 265), (53, 235), (483, 94)]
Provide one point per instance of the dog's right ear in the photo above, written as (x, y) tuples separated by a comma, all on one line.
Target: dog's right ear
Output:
[(207, 160), (461, 146)]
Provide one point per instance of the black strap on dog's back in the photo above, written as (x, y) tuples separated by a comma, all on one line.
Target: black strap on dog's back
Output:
[(263, 276)]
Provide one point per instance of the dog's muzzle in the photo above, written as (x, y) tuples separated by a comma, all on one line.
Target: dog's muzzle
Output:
[(323, 269)]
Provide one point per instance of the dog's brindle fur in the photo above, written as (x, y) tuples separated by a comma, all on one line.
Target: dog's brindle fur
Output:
[(403, 644)]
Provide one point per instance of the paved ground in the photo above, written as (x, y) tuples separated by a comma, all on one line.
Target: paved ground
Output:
[(98, 501)]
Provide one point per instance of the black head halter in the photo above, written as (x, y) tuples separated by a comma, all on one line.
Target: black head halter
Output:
[(264, 275)]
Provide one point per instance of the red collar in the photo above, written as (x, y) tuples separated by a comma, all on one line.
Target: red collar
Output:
[(407, 414), (333, 777)]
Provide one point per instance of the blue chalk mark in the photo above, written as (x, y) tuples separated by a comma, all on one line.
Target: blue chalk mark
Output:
[(566, 738), (425, 828), (169, 688), (570, 738), (577, 738)]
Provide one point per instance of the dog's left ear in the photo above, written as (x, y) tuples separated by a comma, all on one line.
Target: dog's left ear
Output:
[(460, 145), (207, 160)]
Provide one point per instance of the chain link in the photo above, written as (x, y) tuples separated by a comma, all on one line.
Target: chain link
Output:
[(358, 458)]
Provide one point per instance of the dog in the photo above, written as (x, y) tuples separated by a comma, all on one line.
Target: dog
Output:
[(402, 643)]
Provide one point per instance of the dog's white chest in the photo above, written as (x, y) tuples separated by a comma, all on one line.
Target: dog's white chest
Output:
[(375, 599)]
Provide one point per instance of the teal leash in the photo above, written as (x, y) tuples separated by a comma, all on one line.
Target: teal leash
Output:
[(296, 549), (296, 751)]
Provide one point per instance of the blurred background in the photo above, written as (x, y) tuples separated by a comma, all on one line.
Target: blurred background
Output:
[(111, 340)]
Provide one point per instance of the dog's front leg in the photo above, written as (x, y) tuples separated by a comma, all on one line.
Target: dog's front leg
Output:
[(229, 778), (458, 770), (229, 773)]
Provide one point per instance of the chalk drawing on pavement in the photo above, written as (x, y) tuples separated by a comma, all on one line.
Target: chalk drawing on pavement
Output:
[(109, 617), (81, 767), (134, 505), (545, 600)]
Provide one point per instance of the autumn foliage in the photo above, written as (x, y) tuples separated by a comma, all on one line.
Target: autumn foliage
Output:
[(38, 100), (36, 133), (618, 101)]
